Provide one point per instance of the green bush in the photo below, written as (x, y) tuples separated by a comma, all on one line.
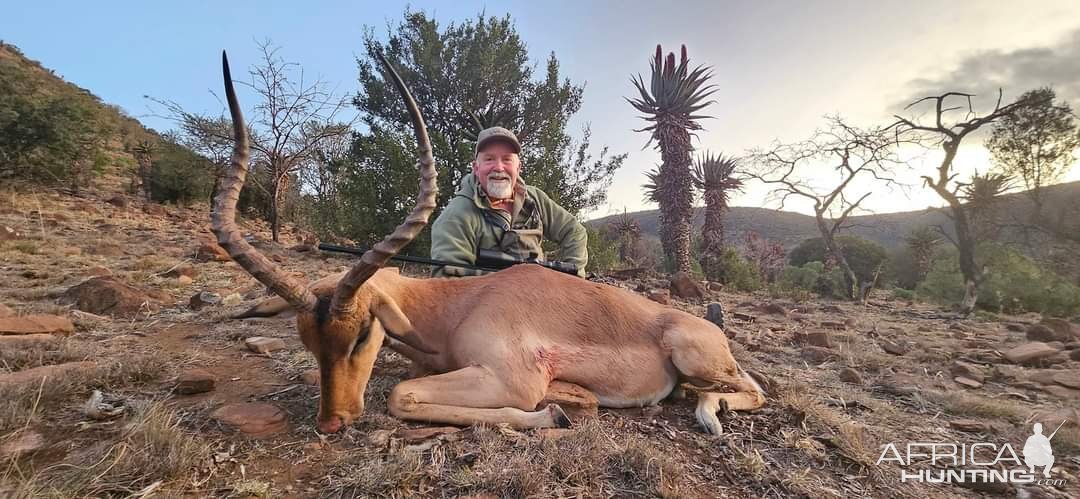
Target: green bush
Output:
[(603, 250), (903, 294), (865, 257), (739, 273), (1013, 283), (179, 175)]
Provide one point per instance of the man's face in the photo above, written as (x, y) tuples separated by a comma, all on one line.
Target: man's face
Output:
[(496, 167)]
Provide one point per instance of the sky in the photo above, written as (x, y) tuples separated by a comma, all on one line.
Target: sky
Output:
[(779, 67)]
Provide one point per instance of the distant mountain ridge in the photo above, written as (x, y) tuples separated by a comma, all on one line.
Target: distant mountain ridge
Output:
[(887, 229)]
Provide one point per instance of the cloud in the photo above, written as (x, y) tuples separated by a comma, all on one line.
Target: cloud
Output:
[(1015, 72)]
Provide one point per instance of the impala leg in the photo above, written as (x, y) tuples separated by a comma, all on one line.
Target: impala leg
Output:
[(474, 395)]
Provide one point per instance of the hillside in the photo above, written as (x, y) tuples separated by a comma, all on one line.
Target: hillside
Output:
[(887, 229), (35, 97)]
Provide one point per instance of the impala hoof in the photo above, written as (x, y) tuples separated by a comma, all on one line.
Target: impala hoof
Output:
[(558, 416)]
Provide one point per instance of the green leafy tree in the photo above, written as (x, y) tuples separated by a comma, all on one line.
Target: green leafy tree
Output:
[(1036, 143), (670, 102), (865, 257), (464, 76)]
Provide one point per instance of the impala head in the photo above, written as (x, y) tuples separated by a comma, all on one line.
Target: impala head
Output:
[(343, 329)]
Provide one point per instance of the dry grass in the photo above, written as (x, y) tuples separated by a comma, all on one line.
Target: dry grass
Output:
[(965, 404), (66, 350), (591, 461), (22, 404), (151, 447)]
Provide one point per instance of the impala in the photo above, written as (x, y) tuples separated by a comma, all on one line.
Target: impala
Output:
[(492, 343)]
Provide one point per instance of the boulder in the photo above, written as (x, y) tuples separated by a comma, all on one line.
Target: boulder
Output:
[(252, 418), (684, 286), (106, 295), (816, 338), (1063, 330), (576, 401), (1029, 353), (849, 375), (36, 324), (714, 313), (967, 370)]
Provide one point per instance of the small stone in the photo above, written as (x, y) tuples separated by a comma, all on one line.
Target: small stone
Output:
[(264, 345), (851, 322), (893, 347), (576, 401), (849, 375), (117, 201), (818, 355), (715, 286), (252, 418), (714, 313), (774, 309), (23, 443), (36, 324), (184, 269), (310, 377), (969, 425), (210, 251), (835, 326), (684, 286), (184, 280), (1029, 353), (200, 300), (195, 381), (109, 296), (417, 435), (967, 370), (6, 311), (815, 338), (968, 382), (661, 296), (232, 299)]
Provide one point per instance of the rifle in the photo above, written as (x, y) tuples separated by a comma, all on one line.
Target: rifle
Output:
[(486, 260)]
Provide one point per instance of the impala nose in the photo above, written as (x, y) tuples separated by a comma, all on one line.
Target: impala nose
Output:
[(333, 425)]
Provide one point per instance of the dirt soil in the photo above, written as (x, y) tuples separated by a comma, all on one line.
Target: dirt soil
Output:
[(831, 411)]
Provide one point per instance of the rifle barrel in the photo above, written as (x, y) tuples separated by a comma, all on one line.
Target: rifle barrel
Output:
[(403, 258)]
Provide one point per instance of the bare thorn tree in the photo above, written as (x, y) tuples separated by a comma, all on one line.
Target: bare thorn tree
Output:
[(941, 132), (291, 121), (831, 170)]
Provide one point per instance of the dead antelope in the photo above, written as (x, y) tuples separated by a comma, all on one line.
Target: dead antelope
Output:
[(496, 342)]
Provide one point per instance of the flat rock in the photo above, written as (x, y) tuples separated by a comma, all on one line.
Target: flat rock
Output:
[(833, 325), (1039, 332), (254, 419), (36, 324), (815, 338), (417, 435), (194, 381), (967, 370), (774, 309), (1070, 379), (50, 372), (6, 311), (682, 285), (1029, 352), (108, 296), (1061, 391), (264, 345), (967, 382), (849, 375), (1075, 354), (576, 401), (24, 443)]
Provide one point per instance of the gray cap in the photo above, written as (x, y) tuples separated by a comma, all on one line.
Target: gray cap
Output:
[(496, 134)]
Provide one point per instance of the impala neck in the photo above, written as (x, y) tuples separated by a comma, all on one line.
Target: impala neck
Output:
[(426, 304)]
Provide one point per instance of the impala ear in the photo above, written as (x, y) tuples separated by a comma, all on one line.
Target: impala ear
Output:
[(395, 324), (270, 307)]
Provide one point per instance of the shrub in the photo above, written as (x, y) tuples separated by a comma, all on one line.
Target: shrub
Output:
[(739, 273), (179, 175), (603, 250), (864, 257), (1012, 283)]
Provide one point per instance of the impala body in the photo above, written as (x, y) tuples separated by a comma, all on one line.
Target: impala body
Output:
[(492, 343)]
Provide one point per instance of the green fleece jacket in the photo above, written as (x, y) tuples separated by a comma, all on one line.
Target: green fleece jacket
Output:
[(469, 222)]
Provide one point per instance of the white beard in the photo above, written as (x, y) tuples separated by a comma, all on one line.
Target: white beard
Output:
[(499, 189)]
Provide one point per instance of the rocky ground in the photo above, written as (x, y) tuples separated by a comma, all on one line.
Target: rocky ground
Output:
[(121, 374)]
